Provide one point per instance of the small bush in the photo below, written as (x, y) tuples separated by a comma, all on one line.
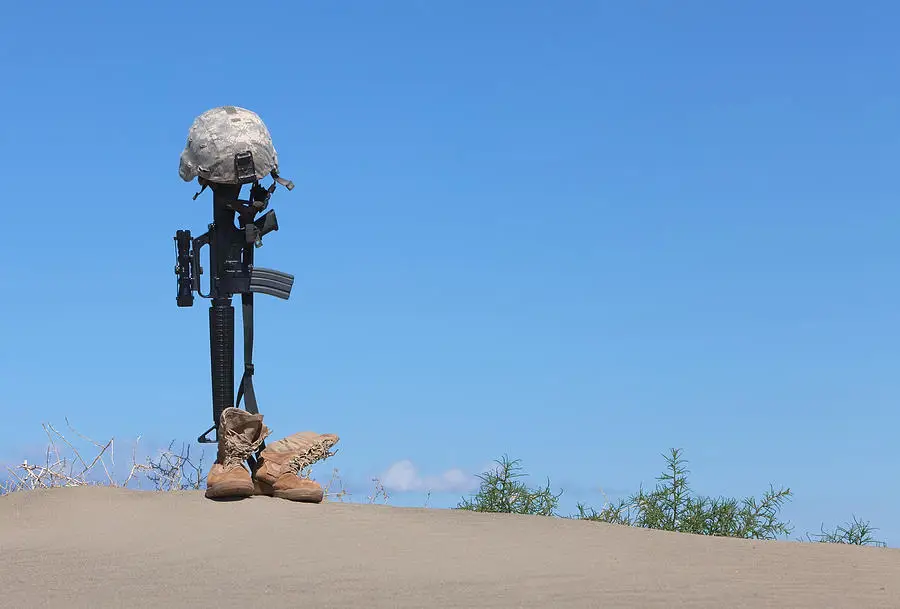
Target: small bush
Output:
[(501, 491), (854, 533), (671, 507)]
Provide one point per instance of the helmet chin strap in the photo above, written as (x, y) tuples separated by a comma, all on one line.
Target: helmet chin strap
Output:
[(256, 186), (203, 184), (279, 180)]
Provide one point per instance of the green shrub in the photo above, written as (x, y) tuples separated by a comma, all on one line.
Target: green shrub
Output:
[(501, 491), (671, 507), (857, 533)]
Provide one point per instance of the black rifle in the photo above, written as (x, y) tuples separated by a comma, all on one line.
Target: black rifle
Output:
[(232, 272)]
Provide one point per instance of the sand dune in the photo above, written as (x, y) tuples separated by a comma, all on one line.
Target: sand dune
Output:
[(102, 547)]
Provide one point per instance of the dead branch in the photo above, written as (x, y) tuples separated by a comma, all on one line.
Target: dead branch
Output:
[(169, 471), (336, 479)]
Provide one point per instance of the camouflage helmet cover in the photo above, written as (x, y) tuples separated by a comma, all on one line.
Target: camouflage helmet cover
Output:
[(219, 134)]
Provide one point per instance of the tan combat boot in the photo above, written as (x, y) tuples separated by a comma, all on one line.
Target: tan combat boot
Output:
[(281, 462), (240, 435)]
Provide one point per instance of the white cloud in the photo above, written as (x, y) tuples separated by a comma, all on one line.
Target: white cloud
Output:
[(403, 476)]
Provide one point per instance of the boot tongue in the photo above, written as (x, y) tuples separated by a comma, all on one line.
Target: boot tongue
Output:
[(243, 434)]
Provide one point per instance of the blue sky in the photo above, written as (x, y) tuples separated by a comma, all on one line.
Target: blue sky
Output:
[(577, 233)]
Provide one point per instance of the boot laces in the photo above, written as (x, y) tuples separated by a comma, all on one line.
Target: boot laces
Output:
[(238, 447), (317, 452)]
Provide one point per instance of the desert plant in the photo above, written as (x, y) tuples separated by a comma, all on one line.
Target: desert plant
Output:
[(501, 491), (173, 471), (857, 533), (64, 465), (329, 494), (378, 490), (671, 507)]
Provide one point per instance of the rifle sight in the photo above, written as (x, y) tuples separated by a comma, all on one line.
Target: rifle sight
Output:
[(185, 297)]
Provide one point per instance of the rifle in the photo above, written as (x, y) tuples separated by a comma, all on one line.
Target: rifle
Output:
[(232, 272)]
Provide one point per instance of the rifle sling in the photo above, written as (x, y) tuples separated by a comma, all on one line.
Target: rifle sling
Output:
[(245, 389)]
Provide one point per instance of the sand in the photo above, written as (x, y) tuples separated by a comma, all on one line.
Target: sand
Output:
[(104, 547)]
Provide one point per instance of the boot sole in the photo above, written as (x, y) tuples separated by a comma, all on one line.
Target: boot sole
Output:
[(295, 494), (300, 495), (226, 490)]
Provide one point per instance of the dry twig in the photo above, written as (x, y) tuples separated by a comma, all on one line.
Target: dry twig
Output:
[(170, 471), (336, 479), (379, 490)]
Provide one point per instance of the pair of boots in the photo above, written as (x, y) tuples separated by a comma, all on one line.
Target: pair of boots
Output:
[(240, 435)]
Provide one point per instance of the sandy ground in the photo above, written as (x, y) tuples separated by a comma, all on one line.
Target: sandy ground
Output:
[(102, 547)]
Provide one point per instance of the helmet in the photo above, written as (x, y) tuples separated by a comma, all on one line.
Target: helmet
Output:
[(228, 145)]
